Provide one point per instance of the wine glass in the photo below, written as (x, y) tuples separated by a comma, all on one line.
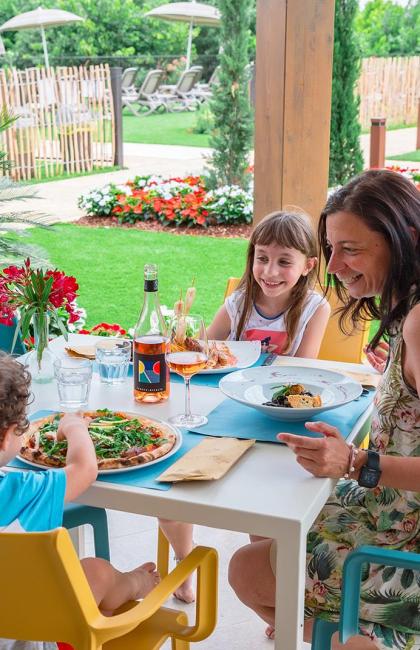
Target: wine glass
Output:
[(187, 354)]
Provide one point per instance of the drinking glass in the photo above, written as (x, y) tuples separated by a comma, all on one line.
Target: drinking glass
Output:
[(187, 354), (73, 382), (113, 358)]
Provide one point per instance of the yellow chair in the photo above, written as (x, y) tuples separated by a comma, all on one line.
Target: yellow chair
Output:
[(47, 598), (335, 345)]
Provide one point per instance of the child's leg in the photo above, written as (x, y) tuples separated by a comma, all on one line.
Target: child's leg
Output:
[(112, 588), (180, 537)]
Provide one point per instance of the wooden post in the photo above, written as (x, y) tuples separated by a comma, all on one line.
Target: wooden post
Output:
[(418, 125), (293, 104), (116, 75), (377, 142)]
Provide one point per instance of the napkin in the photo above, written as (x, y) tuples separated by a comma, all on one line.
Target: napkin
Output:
[(208, 461), (367, 379), (81, 351)]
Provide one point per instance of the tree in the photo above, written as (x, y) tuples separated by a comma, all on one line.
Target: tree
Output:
[(111, 28), (231, 138), (346, 158), (385, 28)]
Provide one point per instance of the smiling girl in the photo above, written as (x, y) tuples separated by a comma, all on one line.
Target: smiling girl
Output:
[(275, 302)]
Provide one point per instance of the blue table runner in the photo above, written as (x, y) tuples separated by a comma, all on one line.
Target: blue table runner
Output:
[(231, 418)]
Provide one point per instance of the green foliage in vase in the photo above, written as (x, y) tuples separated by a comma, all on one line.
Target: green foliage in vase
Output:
[(232, 135), (346, 158), (37, 296)]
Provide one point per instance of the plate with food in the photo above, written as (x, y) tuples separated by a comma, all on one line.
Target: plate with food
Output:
[(290, 392), (123, 441), (228, 356)]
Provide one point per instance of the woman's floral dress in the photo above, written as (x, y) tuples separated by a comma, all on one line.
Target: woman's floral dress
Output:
[(390, 598)]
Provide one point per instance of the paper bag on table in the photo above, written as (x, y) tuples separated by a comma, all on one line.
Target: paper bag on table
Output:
[(208, 461)]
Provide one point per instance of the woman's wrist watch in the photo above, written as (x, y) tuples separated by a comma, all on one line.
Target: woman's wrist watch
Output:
[(370, 472)]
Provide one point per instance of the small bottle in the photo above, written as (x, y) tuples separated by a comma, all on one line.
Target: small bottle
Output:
[(151, 372)]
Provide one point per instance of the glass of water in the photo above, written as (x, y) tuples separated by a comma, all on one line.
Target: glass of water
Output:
[(73, 382), (113, 358)]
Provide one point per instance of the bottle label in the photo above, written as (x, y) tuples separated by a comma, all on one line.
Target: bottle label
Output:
[(150, 372), (151, 285)]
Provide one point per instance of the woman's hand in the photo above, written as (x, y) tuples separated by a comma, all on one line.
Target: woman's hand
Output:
[(378, 356), (326, 457)]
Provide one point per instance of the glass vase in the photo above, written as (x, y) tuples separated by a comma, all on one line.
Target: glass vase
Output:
[(40, 360)]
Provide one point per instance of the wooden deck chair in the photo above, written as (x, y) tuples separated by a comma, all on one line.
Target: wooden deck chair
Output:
[(204, 91), (147, 98), (129, 93), (335, 345), (181, 96), (150, 97), (59, 605)]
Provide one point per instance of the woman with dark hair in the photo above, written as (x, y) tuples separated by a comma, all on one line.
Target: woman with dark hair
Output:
[(369, 233)]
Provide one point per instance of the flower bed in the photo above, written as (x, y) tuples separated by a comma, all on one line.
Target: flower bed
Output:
[(410, 173), (175, 201)]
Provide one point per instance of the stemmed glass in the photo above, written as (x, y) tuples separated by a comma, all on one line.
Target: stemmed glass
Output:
[(187, 354)]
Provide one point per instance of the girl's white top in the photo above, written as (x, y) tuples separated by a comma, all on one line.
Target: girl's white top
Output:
[(271, 331)]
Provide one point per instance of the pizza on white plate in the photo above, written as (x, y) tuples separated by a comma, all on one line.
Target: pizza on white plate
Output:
[(122, 440)]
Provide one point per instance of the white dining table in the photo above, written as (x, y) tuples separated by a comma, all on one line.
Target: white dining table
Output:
[(266, 493)]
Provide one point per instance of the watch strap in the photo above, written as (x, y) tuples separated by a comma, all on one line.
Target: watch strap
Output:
[(373, 460)]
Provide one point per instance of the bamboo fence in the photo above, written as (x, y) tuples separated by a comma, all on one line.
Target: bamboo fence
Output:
[(390, 88), (65, 120)]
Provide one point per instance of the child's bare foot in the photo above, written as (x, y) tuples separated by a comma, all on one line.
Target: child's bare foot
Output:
[(144, 578), (270, 632), (186, 591)]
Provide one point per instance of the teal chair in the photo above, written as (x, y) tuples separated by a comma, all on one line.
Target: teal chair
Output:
[(7, 333), (74, 514), (348, 625)]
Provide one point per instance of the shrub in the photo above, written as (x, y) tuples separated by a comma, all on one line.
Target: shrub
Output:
[(100, 202), (230, 205), (175, 201)]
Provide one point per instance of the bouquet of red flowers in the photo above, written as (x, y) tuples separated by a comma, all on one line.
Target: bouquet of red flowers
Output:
[(106, 329), (35, 296)]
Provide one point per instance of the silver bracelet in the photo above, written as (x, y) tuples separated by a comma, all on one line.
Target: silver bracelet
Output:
[(353, 451)]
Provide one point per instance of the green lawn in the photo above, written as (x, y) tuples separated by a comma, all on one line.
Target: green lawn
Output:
[(163, 128), (411, 156), (108, 264)]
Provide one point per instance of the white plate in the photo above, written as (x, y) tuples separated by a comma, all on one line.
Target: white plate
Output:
[(255, 386), (246, 352), (174, 449)]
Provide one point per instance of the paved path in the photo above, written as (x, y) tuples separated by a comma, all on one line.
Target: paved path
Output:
[(59, 198)]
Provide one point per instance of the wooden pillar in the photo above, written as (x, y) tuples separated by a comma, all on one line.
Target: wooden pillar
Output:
[(116, 77), (418, 126), (295, 41), (377, 142)]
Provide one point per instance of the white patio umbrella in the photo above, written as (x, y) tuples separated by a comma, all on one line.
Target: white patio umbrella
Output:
[(39, 19), (194, 13)]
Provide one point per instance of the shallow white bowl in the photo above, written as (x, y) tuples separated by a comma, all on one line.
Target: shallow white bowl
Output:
[(254, 386)]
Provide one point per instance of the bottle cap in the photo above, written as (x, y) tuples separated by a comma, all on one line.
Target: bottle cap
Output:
[(150, 277), (150, 271)]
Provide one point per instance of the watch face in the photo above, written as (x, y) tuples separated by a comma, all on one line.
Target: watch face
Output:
[(369, 477)]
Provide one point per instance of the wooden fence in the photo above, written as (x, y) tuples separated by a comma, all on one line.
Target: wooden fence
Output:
[(389, 87), (65, 120)]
